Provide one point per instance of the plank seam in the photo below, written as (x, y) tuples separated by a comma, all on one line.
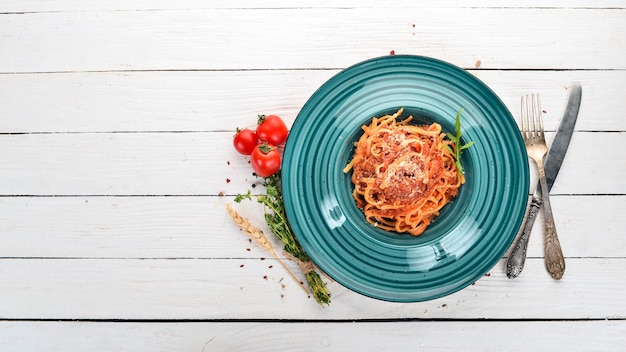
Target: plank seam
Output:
[(307, 321)]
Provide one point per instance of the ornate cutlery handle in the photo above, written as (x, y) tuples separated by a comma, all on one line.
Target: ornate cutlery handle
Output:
[(555, 263), (517, 258)]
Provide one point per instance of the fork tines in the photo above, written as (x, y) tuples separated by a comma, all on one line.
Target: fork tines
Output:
[(532, 120)]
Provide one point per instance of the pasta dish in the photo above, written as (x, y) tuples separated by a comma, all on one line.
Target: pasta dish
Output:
[(403, 174)]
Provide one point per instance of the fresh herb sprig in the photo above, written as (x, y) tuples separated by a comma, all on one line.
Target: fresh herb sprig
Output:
[(458, 147), (276, 219)]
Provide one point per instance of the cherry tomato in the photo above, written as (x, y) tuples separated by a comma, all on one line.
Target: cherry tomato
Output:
[(265, 160), (272, 129), (245, 141)]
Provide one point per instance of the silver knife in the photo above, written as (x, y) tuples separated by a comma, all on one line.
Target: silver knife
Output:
[(553, 161)]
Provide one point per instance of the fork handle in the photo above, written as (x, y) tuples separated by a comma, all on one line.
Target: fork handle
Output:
[(555, 263)]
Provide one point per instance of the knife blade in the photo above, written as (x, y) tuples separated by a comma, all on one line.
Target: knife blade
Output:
[(552, 165)]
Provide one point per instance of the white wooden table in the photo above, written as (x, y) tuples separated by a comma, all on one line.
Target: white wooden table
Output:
[(116, 120)]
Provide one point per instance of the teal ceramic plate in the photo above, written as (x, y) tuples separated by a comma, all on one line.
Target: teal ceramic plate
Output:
[(469, 236)]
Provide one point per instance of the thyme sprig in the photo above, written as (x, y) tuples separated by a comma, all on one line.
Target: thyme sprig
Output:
[(458, 147), (276, 219)]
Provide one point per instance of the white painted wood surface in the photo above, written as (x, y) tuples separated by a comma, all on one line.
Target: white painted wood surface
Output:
[(115, 127), (313, 336)]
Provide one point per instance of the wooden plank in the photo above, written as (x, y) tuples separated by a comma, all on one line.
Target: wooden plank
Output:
[(481, 336), (12, 6), (222, 100), (251, 289), (152, 101), (233, 39), (206, 164), (198, 227), (125, 227)]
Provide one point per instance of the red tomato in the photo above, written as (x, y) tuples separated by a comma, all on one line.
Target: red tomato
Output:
[(265, 160), (272, 129), (245, 141)]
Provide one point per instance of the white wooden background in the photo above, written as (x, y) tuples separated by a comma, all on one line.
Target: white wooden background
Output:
[(116, 121)]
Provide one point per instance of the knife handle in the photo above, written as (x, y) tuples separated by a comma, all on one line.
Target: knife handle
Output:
[(517, 258)]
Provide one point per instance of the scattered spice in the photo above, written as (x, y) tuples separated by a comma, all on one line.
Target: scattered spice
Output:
[(227, 180)]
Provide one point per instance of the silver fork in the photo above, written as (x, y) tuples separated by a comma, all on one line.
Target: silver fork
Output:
[(535, 141)]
